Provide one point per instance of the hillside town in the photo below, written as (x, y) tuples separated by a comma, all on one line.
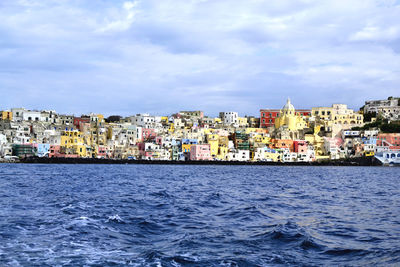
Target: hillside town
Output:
[(277, 135)]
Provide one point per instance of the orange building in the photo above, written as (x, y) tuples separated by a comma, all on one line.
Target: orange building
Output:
[(282, 143)]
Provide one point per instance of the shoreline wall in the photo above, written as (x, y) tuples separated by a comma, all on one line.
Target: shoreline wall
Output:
[(370, 161)]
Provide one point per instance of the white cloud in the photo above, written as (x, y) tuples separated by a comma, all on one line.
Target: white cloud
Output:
[(198, 53), (121, 20), (371, 33)]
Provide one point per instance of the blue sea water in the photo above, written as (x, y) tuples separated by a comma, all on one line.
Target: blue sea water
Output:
[(163, 215)]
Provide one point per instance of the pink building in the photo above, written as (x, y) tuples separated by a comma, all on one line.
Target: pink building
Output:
[(159, 140), (54, 151), (200, 152), (148, 134), (300, 146), (102, 152)]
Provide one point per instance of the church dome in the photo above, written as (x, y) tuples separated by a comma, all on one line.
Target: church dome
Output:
[(288, 106)]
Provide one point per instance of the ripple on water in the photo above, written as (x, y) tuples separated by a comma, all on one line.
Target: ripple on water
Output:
[(145, 215)]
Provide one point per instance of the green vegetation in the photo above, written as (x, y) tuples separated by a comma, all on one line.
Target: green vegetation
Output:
[(390, 128), (368, 116), (383, 125)]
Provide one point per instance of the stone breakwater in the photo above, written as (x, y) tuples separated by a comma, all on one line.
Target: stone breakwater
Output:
[(364, 161)]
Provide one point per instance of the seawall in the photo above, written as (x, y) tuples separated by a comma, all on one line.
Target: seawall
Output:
[(364, 161)]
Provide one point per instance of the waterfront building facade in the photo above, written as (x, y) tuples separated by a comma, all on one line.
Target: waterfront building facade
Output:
[(285, 135)]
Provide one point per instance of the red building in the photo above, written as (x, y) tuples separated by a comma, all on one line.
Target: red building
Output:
[(268, 116), (392, 138), (80, 120), (300, 146)]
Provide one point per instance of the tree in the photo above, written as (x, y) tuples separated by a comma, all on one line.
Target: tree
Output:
[(113, 118), (368, 116)]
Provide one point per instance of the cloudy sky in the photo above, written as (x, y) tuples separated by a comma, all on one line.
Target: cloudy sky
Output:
[(162, 56)]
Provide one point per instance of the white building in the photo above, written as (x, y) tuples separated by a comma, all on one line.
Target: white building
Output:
[(229, 118), (144, 120), (17, 113), (3, 139), (288, 156), (129, 135), (389, 109), (371, 133), (350, 134), (29, 115), (238, 155)]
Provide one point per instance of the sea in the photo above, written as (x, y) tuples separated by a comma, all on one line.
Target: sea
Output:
[(208, 215)]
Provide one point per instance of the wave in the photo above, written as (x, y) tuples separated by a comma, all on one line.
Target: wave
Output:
[(346, 252), (115, 218), (161, 194), (289, 233)]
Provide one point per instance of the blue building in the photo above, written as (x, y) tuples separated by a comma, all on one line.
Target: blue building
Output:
[(43, 150)]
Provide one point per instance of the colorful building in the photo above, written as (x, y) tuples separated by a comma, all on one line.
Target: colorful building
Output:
[(267, 117), (389, 139), (200, 152), (6, 115), (187, 144), (72, 143), (289, 118)]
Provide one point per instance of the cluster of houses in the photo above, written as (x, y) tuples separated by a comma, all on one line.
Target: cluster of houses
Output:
[(285, 135)]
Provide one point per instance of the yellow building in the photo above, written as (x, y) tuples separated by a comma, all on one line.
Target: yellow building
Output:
[(222, 152), (242, 122), (212, 140), (289, 118), (171, 128), (261, 139), (256, 130), (317, 142), (266, 154), (338, 114), (97, 118), (72, 143), (272, 155), (6, 115)]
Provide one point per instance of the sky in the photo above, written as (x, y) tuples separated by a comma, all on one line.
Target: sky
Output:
[(164, 56)]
